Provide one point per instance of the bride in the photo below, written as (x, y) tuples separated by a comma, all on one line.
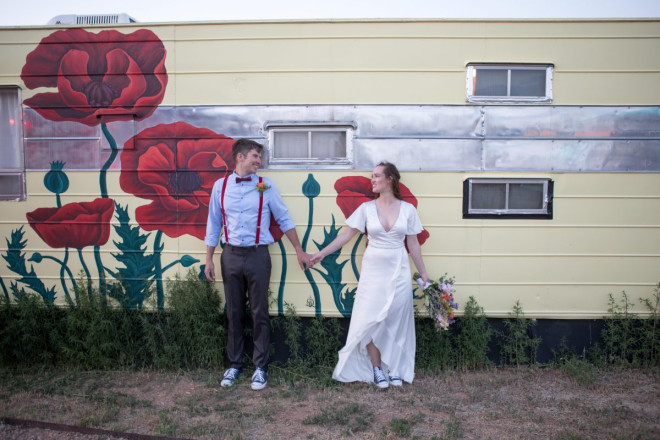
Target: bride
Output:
[(380, 346)]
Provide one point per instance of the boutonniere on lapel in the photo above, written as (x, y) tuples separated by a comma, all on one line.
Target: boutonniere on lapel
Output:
[(262, 186)]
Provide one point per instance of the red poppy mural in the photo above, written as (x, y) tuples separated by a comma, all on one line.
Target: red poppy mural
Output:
[(175, 166), (74, 225), (274, 229), (119, 75), (352, 191)]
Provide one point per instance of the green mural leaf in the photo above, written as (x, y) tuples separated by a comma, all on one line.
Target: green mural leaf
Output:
[(136, 275), (15, 259), (342, 296)]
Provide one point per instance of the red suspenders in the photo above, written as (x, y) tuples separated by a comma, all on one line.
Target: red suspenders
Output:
[(224, 217), (261, 205)]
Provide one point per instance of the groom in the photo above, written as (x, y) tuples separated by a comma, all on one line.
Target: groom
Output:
[(240, 206)]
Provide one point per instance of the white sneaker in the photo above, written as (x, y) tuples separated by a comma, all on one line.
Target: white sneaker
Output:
[(395, 380), (380, 379), (230, 377), (259, 379)]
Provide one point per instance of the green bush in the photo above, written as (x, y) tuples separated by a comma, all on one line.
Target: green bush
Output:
[(518, 346), (435, 349), (473, 334), (312, 346), (190, 334), (91, 335), (629, 339)]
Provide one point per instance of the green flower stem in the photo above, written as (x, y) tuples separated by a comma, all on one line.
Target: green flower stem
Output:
[(354, 259), (280, 292), (104, 194), (99, 265), (64, 267), (310, 217), (113, 155), (89, 277), (158, 272), (308, 273), (169, 266)]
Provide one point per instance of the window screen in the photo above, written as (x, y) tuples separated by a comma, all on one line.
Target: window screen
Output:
[(501, 82), (521, 198), (11, 145)]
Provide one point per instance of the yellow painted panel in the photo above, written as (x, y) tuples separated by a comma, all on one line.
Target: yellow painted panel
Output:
[(321, 88), (603, 211), (548, 239), (583, 301), (349, 54), (632, 88), (454, 29), (557, 268), (405, 62)]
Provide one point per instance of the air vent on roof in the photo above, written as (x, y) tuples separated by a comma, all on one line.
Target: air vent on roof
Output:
[(92, 19)]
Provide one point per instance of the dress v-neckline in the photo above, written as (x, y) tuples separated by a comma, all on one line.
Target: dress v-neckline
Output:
[(398, 214)]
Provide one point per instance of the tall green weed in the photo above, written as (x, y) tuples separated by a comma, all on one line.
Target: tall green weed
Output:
[(518, 345)]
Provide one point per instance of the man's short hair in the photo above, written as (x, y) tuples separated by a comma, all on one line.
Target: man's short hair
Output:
[(244, 146)]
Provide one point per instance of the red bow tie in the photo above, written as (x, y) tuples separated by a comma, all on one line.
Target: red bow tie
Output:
[(243, 179)]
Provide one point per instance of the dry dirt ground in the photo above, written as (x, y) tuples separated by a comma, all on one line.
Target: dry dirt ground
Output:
[(526, 403)]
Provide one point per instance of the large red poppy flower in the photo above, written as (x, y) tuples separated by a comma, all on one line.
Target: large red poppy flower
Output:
[(175, 166), (352, 191), (74, 225), (119, 75)]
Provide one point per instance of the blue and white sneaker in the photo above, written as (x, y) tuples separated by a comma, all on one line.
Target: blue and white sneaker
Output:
[(259, 379), (395, 380), (380, 379), (230, 377)]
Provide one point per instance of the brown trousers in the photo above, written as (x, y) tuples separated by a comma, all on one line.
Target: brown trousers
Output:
[(246, 275)]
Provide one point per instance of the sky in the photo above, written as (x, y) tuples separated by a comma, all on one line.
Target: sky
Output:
[(39, 12)]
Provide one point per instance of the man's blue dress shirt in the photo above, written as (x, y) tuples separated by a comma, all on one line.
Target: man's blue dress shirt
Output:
[(242, 208)]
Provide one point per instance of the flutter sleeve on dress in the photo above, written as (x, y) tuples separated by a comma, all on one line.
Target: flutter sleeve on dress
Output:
[(358, 220), (414, 226)]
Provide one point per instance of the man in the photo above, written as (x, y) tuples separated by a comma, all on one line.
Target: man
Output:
[(240, 207)]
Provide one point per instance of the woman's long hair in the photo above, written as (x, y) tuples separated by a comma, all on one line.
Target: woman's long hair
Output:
[(390, 170)]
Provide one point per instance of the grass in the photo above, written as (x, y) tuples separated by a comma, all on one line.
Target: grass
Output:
[(350, 418), (515, 403)]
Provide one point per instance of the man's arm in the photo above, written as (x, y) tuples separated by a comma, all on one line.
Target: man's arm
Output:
[(303, 258), (209, 270)]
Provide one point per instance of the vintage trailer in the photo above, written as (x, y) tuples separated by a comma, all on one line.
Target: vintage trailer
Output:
[(531, 149)]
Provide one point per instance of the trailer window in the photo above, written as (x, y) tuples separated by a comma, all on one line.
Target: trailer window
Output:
[(507, 198), (12, 173), (509, 83), (322, 146)]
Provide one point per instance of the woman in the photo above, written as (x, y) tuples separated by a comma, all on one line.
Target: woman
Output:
[(381, 336)]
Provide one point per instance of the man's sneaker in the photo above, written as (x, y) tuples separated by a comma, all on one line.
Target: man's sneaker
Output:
[(230, 377), (395, 380), (380, 379), (259, 379)]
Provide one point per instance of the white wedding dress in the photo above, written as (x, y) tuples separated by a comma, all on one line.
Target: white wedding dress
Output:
[(383, 308)]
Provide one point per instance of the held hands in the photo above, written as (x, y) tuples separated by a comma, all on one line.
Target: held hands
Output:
[(304, 259), (317, 257), (307, 261)]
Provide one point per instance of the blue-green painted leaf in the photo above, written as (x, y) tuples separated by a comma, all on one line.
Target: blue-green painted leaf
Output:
[(342, 297), (15, 259), (187, 261), (136, 275)]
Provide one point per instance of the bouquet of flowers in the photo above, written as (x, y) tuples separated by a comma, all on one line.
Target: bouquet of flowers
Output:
[(439, 300)]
